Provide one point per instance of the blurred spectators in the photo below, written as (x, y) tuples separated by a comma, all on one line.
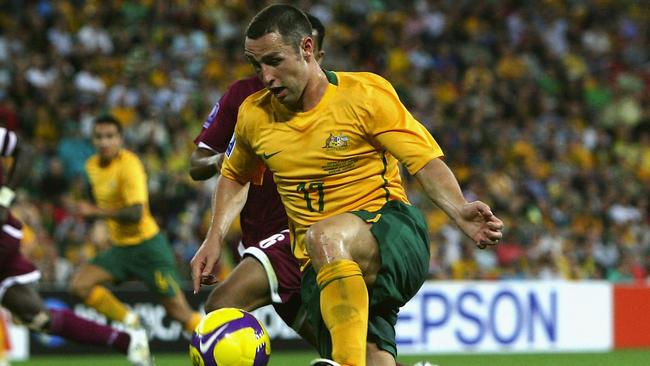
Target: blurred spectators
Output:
[(542, 108)]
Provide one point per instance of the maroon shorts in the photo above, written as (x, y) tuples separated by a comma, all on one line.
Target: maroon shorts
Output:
[(283, 272), (15, 269)]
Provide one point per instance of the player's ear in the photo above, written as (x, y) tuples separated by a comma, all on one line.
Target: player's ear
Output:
[(307, 47)]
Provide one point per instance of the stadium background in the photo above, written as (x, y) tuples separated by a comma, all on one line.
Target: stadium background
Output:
[(542, 109)]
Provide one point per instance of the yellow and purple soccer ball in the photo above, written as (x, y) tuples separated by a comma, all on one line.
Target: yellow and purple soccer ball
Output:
[(230, 337)]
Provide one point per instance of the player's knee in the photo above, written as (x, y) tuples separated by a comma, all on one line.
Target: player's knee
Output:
[(212, 304), (216, 300), (329, 240), (79, 288)]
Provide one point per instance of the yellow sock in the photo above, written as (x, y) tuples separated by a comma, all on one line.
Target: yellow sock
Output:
[(106, 303), (344, 307), (191, 324)]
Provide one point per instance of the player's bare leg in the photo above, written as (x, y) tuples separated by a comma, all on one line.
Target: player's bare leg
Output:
[(87, 285), (344, 236), (345, 256), (247, 288), (378, 357), (87, 277), (27, 305), (24, 302)]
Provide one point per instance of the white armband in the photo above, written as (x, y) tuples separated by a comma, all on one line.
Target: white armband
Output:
[(7, 196)]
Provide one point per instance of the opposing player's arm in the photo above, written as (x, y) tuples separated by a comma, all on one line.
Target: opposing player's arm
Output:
[(21, 152), (205, 163)]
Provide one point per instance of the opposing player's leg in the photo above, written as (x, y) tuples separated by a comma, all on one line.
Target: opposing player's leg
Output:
[(267, 274), (394, 263), (246, 288), (26, 304)]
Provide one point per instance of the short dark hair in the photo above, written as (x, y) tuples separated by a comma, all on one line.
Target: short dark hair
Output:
[(108, 119), (287, 20), (318, 26)]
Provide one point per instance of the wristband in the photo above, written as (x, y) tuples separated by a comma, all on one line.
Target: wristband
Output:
[(7, 196)]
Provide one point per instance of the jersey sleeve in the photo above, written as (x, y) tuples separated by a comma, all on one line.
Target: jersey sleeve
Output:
[(134, 183), (240, 162), (392, 127), (8, 142), (220, 124)]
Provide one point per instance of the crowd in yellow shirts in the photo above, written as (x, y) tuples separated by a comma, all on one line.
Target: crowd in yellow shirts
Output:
[(542, 108)]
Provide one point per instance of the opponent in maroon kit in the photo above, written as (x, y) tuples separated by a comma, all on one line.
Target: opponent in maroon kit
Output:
[(17, 274), (268, 272)]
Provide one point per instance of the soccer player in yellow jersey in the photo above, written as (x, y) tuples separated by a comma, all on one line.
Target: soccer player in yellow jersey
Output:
[(139, 250), (333, 141)]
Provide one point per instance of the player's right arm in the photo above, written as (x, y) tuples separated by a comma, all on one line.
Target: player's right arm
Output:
[(205, 163), (241, 166), (218, 128), (228, 200)]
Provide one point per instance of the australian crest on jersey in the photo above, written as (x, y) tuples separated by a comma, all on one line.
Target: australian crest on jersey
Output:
[(337, 141)]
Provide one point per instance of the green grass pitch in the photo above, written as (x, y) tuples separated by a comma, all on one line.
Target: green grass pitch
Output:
[(618, 358)]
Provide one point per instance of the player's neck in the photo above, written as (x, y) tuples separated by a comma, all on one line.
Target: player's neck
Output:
[(105, 161), (314, 90)]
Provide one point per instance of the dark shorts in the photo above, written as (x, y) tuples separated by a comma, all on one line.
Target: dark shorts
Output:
[(283, 271), (403, 239), (15, 269), (152, 262)]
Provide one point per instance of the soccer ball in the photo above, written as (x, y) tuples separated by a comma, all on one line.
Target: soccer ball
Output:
[(230, 337)]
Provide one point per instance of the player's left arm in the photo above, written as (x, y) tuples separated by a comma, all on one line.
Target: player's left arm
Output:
[(393, 127), (128, 215), (475, 218)]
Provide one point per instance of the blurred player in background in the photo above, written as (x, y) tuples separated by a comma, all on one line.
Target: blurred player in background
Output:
[(333, 142), (268, 272), (139, 250), (17, 274)]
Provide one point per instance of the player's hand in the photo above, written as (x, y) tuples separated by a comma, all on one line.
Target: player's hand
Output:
[(85, 209), (203, 265), (479, 223)]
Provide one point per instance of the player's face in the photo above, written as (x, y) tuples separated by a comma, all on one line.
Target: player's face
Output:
[(107, 140), (283, 69)]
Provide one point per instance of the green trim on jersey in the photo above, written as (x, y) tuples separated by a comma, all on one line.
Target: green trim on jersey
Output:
[(383, 175), (331, 77)]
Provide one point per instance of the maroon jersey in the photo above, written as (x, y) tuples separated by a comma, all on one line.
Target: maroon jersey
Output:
[(263, 214)]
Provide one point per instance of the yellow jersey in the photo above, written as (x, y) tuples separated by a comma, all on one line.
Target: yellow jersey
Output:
[(122, 183), (338, 157)]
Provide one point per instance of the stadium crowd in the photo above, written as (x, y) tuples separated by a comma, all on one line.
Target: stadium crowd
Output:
[(542, 109)]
